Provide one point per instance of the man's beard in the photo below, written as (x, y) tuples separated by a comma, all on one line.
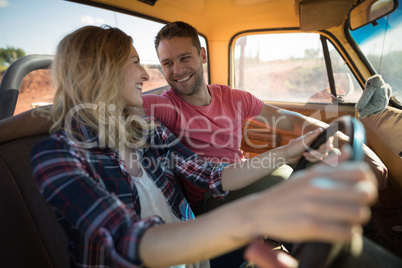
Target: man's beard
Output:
[(198, 82)]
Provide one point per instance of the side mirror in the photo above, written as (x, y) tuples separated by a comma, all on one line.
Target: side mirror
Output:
[(344, 85), (369, 11), (344, 88)]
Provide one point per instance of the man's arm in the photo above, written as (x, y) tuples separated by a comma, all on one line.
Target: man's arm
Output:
[(23, 125), (299, 124), (286, 120)]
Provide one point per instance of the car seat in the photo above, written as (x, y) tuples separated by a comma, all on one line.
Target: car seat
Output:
[(30, 234)]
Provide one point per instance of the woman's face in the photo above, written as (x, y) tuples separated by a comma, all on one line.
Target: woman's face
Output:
[(134, 78)]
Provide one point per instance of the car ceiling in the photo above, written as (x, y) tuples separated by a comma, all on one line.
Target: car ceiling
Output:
[(227, 17)]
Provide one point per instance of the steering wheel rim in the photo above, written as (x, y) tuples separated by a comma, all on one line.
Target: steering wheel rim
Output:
[(352, 127), (319, 254)]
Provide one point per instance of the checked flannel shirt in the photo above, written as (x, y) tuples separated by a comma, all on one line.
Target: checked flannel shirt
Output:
[(97, 202)]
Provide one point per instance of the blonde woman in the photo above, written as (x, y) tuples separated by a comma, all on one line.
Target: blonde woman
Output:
[(109, 173)]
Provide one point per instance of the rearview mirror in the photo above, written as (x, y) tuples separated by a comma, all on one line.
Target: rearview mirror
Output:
[(369, 11)]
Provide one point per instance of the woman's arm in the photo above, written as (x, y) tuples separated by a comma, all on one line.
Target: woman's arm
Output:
[(298, 210), (239, 175), (306, 208), (68, 183), (187, 165), (220, 178)]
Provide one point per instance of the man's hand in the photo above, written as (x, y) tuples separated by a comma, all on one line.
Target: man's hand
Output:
[(297, 148)]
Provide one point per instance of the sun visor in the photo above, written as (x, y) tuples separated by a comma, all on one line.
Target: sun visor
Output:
[(323, 14)]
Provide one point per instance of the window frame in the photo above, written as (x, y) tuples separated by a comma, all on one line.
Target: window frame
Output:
[(328, 36)]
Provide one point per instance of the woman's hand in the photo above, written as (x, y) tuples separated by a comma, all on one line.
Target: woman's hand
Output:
[(325, 203)]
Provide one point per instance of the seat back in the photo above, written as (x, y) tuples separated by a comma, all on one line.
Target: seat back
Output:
[(29, 232)]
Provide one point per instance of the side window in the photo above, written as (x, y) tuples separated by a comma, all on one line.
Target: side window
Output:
[(290, 67), (41, 36), (381, 44)]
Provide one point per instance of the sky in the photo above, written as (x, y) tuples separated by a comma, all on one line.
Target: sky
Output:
[(370, 36), (36, 26)]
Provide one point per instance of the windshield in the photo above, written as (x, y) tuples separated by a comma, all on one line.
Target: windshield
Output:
[(382, 45)]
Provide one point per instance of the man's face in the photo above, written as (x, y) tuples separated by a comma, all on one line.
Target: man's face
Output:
[(182, 65)]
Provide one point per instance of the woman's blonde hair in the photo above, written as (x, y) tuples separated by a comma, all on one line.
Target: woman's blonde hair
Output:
[(88, 72)]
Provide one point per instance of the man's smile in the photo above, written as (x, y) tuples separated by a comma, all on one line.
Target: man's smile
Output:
[(183, 79)]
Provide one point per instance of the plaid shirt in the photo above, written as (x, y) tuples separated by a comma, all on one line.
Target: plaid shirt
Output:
[(97, 202)]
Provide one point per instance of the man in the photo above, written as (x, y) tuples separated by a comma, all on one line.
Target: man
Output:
[(209, 118)]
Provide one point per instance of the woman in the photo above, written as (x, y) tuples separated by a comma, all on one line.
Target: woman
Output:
[(109, 173)]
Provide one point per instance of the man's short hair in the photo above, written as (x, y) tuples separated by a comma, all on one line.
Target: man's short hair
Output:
[(178, 29)]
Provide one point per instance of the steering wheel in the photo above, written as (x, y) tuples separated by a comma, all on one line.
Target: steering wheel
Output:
[(318, 254), (351, 126)]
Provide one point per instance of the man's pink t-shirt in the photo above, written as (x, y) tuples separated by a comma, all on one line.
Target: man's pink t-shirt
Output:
[(213, 131)]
